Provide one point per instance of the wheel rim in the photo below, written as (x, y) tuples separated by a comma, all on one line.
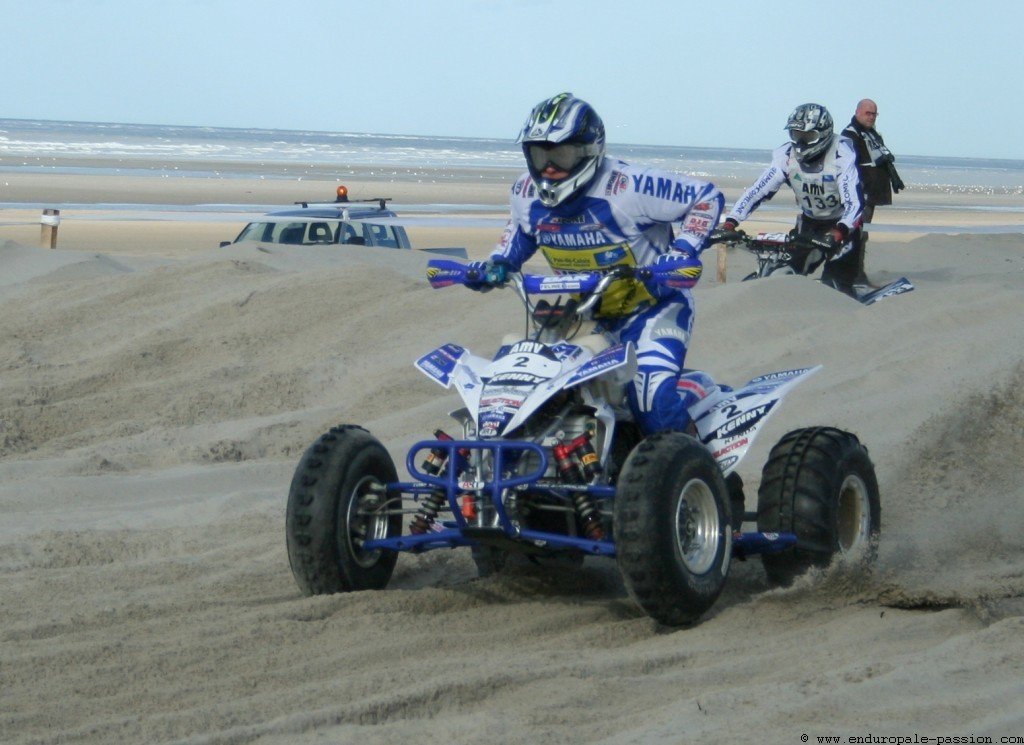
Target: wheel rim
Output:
[(853, 514), (365, 521), (696, 527)]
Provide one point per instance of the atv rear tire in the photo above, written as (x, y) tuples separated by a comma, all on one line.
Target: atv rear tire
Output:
[(820, 484), (672, 532), (337, 502)]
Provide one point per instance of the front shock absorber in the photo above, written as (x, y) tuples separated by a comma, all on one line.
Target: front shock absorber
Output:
[(433, 464)]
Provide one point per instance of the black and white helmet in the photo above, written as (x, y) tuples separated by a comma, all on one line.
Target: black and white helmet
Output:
[(810, 130), (563, 131)]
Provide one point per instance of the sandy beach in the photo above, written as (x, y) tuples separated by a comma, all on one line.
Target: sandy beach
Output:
[(157, 392)]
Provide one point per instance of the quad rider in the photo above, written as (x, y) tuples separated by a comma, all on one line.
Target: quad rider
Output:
[(588, 212)]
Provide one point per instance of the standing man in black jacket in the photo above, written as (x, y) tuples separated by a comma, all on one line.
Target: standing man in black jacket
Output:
[(878, 176)]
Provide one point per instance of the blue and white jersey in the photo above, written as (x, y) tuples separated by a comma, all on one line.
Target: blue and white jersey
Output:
[(830, 191), (626, 215)]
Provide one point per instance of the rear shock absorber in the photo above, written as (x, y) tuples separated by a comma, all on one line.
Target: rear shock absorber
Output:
[(577, 463), (433, 464)]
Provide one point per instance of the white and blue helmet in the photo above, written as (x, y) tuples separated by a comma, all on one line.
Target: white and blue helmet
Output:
[(810, 131), (563, 131)]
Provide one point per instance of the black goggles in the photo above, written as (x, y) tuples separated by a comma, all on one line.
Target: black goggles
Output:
[(565, 156), (807, 138)]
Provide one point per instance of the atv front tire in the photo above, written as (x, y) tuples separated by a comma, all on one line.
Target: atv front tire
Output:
[(336, 503), (672, 532), (820, 484)]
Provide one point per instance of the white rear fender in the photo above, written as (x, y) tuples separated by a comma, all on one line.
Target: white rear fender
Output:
[(728, 421)]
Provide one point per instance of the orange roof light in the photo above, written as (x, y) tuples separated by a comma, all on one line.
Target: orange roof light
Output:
[(342, 194)]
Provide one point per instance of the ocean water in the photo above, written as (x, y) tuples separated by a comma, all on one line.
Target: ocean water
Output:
[(83, 147)]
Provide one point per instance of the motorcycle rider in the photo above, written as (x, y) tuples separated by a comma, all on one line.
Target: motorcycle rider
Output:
[(821, 168), (588, 212)]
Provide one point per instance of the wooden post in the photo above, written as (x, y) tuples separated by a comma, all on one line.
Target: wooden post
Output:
[(720, 277), (48, 233)]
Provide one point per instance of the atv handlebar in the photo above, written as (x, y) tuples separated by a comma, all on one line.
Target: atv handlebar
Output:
[(446, 272), (600, 287), (555, 320)]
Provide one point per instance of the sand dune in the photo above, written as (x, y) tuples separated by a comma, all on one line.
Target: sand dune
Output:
[(153, 412)]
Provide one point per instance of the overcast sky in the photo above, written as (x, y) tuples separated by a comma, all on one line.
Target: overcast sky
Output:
[(946, 75)]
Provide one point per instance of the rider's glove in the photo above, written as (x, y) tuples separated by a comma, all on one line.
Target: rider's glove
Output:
[(839, 234), (490, 274), (832, 241), (721, 235), (676, 269), (729, 230)]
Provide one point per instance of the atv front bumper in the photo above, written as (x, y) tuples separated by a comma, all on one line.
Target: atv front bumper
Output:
[(504, 533)]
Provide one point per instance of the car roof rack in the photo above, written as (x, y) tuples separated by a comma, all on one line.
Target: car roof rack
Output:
[(381, 201), (342, 198)]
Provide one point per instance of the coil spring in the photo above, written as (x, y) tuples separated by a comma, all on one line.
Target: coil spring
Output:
[(427, 513), (589, 516)]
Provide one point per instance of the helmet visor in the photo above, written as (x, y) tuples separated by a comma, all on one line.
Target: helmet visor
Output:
[(565, 156), (804, 138)]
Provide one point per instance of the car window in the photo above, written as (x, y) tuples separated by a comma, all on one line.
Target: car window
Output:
[(307, 232), (256, 231), (379, 235), (383, 235), (349, 233), (290, 233)]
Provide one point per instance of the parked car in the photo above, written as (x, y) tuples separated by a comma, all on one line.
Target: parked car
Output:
[(342, 222)]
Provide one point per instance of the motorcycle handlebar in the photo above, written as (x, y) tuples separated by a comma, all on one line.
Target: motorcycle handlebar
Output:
[(760, 242), (727, 236)]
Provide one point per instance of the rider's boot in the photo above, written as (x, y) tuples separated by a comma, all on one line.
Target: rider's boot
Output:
[(861, 282)]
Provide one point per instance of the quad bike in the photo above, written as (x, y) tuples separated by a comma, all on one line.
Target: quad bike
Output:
[(780, 254), (549, 465)]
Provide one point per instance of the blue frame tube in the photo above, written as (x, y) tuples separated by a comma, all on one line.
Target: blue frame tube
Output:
[(744, 544)]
